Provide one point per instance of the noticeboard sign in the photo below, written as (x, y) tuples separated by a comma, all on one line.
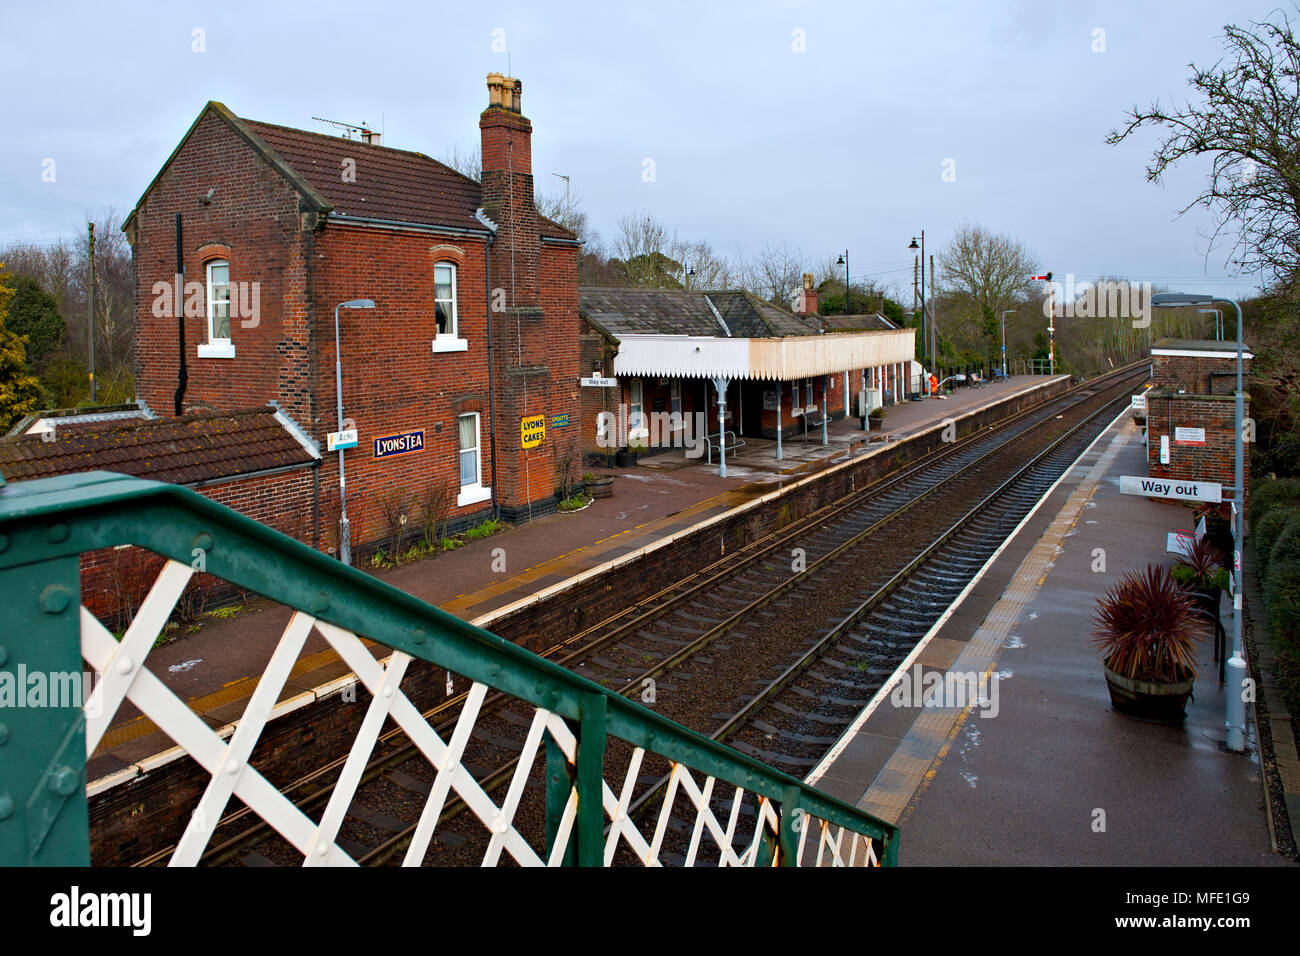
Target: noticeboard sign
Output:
[(337, 441), (532, 431), (1189, 436)]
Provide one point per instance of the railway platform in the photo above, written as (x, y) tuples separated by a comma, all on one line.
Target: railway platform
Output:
[(1037, 768), (215, 669)]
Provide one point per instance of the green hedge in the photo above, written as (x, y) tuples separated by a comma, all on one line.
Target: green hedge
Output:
[(1275, 526)]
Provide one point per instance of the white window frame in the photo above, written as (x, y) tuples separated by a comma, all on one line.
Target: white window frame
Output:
[(448, 341), (472, 493), (216, 347)]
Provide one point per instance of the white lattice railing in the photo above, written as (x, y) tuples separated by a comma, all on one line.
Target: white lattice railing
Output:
[(716, 805)]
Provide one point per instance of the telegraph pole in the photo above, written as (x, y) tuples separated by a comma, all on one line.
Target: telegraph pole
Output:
[(90, 334), (934, 330)]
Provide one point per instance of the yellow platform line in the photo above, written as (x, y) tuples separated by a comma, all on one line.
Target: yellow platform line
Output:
[(923, 748), (240, 689)]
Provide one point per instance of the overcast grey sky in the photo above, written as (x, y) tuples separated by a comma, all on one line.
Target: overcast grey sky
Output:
[(839, 144)]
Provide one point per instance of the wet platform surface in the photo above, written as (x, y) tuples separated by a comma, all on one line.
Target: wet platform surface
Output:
[(1040, 770)]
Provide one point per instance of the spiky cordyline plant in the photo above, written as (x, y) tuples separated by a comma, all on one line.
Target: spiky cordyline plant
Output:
[(1202, 566), (1146, 626)]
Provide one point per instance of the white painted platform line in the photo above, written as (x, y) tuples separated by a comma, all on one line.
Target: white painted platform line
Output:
[(899, 672)]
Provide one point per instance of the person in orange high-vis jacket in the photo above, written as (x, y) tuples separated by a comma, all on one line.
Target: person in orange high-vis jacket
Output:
[(934, 385)]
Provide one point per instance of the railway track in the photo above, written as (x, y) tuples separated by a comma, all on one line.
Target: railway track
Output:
[(697, 649)]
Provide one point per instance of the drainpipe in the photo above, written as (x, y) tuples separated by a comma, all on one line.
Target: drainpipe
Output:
[(179, 305), (492, 394)]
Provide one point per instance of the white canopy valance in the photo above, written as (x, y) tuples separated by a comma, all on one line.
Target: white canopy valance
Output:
[(782, 359)]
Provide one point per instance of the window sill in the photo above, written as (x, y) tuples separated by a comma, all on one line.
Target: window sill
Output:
[(472, 495), (217, 349), (449, 343)]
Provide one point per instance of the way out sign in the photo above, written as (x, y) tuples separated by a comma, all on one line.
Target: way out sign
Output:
[(532, 430), (1184, 490)]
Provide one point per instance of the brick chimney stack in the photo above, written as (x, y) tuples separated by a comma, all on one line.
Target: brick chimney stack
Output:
[(807, 299), (507, 194)]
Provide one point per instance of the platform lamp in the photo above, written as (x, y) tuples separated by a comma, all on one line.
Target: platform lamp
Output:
[(924, 314), (1236, 716), (345, 531), (844, 261)]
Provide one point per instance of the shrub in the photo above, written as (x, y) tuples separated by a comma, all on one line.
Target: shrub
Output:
[(397, 507), (1268, 495), (1275, 518), (1202, 567), (1266, 531), (433, 513), (1146, 625), (484, 530)]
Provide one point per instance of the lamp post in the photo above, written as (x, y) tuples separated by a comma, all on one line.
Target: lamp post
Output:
[(345, 532), (844, 261), (1004, 341), (1218, 322), (931, 334), (1236, 716)]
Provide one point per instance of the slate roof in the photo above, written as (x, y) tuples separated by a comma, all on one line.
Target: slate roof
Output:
[(390, 183), (182, 451), (394, 184), (870, 322), (687, 312)]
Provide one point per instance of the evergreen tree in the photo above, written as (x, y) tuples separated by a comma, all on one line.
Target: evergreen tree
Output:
[(20, 391)]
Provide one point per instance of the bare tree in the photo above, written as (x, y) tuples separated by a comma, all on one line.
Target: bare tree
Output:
[(981, 274), (1248, 121), (468, 163), (776, 274), (565, 209)]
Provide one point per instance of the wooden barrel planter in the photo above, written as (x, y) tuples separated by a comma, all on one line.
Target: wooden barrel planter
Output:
[(601, 487), (1148, 700)]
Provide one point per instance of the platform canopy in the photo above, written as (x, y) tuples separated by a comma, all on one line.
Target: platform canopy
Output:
[(783, 359), (682, 333)]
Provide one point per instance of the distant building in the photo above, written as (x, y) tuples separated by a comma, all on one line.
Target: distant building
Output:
[(1191, 411), (676, 352)]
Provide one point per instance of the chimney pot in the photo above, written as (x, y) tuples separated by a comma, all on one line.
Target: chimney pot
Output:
[(495, 84)]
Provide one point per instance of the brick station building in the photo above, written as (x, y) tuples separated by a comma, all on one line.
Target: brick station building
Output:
[(1192, 404), (474, 326)]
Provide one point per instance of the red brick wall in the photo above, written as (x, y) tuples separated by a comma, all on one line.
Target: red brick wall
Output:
[(1193, 373), (595, 352), (1213, 461), (115, 580), (393, 382), (253, 222)]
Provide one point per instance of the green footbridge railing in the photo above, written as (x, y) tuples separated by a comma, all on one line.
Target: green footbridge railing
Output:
[(47, 525)]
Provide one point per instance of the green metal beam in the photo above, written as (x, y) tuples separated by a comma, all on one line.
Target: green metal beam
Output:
[(44, 820)]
